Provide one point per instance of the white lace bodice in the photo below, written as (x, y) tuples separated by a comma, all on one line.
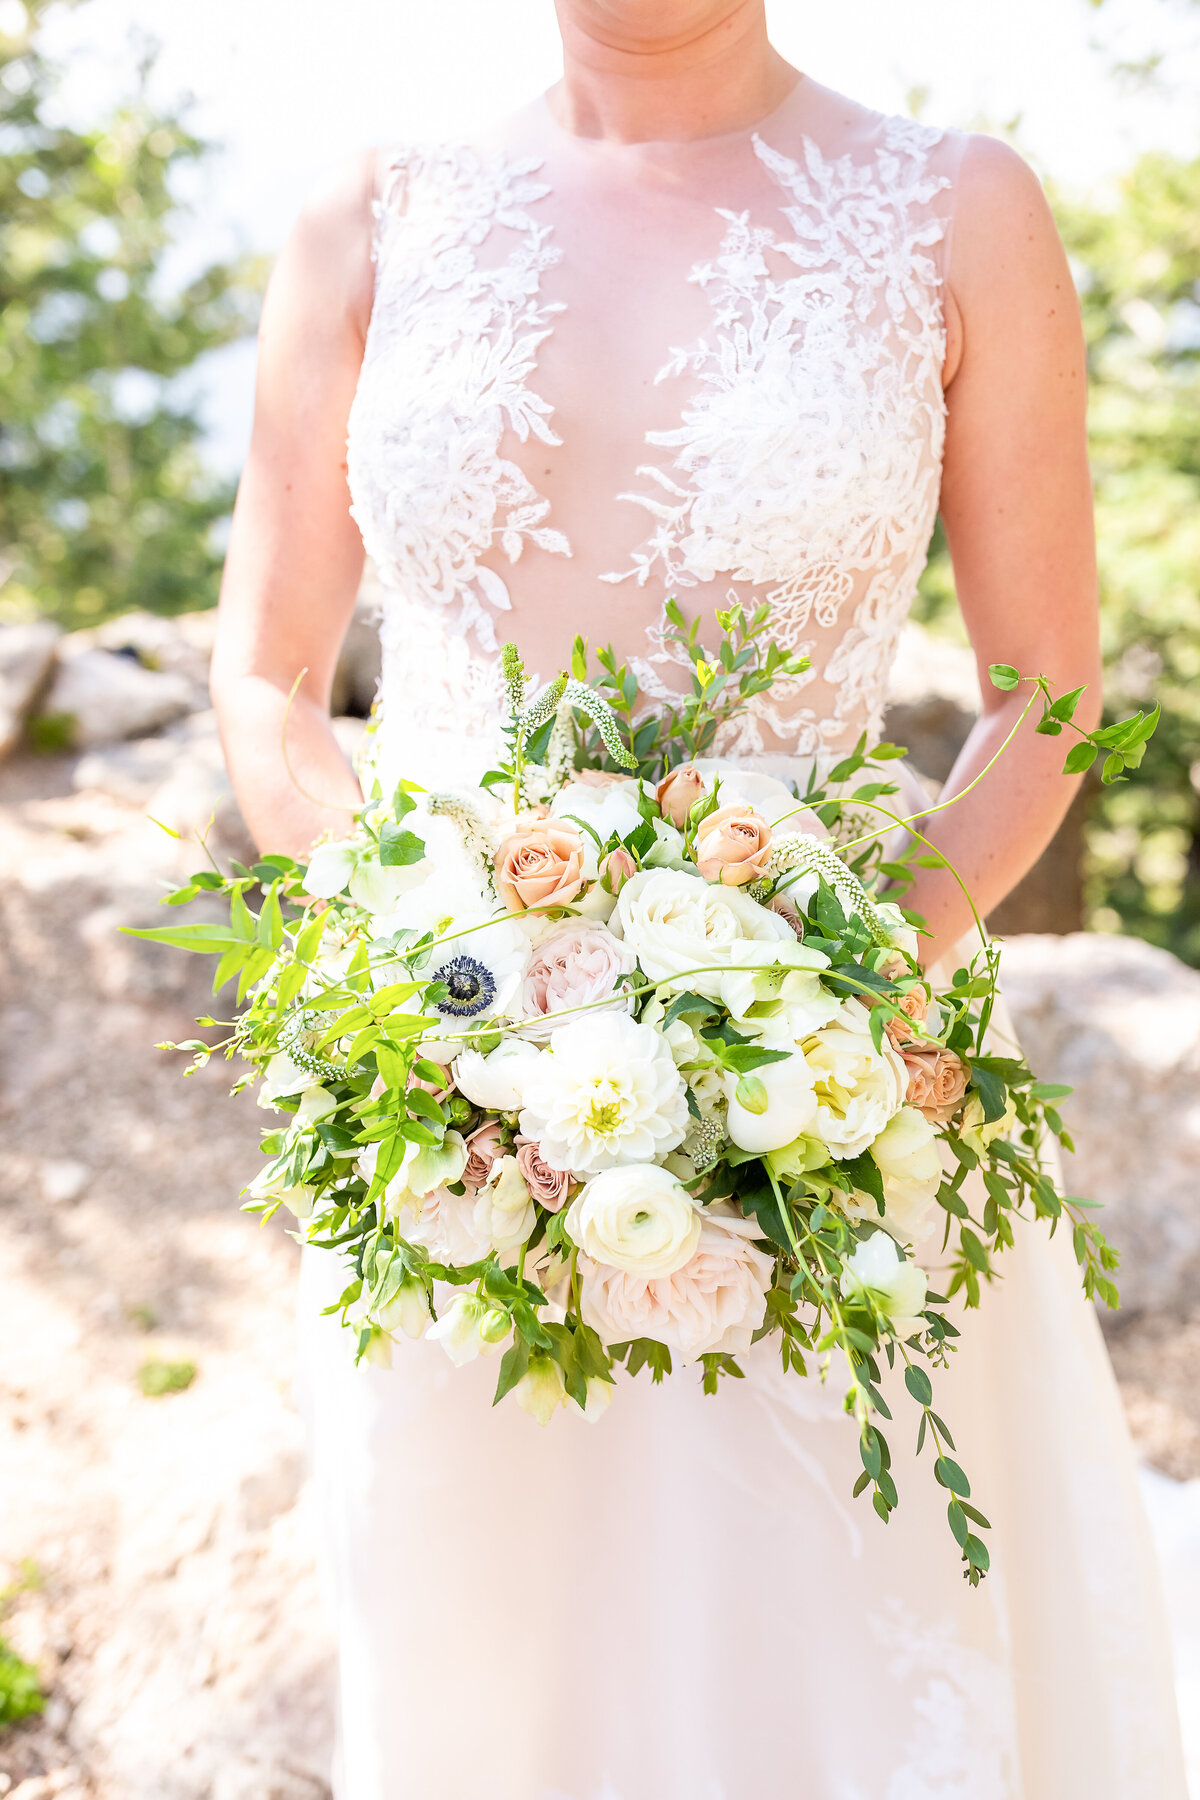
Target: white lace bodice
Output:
[(597, 376)]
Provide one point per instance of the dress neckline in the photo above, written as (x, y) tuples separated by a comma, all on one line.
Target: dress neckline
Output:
[(673, 146)]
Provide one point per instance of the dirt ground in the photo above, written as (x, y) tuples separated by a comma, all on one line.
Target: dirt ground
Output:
[(162, 1546)]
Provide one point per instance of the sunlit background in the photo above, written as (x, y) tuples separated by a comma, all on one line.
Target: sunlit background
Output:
[(156, 1567)]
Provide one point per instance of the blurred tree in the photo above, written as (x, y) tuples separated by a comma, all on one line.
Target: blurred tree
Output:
[(1137, 265), (105, 503)]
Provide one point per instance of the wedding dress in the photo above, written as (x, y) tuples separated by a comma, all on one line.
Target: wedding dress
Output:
[(596, 376)]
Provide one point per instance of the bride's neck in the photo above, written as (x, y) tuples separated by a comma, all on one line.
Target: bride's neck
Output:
[(627, 81)]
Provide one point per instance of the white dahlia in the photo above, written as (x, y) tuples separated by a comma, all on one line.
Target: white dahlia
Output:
[(607, 1092)]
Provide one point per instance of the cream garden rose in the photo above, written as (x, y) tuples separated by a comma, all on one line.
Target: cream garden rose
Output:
[(715, 1301), (640, 1219), (682, 928), (857, 1087), (606, 1092)]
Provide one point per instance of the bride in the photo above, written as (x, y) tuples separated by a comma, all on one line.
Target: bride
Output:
[(694, 324)]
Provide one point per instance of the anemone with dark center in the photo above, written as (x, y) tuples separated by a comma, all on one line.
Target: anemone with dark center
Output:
[(472, 988)]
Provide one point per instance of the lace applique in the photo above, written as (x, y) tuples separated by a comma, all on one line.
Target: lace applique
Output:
[(459, 341), (808, 461)]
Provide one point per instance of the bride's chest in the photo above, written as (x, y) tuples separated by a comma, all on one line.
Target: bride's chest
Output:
[(752, 374)]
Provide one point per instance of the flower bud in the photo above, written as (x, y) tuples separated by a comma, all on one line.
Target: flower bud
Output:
[(495, 1325)]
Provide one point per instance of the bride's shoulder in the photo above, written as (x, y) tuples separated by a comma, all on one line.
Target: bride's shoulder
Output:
[(325, 265)]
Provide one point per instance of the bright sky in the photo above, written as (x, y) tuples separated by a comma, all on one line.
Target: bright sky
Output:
[(290, 86)]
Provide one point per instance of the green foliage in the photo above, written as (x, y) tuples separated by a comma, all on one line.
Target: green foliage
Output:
[(21, 1694), (104, 501), (156, 1378), (1137, 263)]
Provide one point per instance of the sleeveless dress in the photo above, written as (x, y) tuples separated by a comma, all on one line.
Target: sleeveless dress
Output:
[(597, 376)]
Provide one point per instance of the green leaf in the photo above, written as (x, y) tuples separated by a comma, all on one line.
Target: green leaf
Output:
[(1080, 757), (200, 938), (918, 1384), (991, 1090), (513, 1365), (1003, 676), (948, 1473), (398, 849)]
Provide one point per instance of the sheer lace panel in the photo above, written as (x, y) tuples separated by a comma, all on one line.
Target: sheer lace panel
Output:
[(803, 470)]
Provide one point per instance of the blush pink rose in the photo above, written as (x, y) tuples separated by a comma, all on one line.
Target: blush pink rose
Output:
[(551, 1188), (539, 864), (483, 1148), (678, 792), (937, 1083), (732, 846), (715, 1302), (576, 965)]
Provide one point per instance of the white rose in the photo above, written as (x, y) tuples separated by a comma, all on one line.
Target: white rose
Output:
[(459, 1332), (715, 1302), (979, 1132), (496, 1081), (858, 1088), (897, 1285), (640, 1219), (606, 1092), (679, 927), (504, 1213), (443, 1224), (783, 1105)]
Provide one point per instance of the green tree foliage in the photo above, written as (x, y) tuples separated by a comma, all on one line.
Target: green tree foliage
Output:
[(105, 503), (1137, 263), (1139, 275)]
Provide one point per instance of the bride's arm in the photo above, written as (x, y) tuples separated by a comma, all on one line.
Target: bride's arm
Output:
[(1017, 509), (295, 555)]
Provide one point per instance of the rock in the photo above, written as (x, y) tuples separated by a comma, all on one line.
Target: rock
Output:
[(26, 656), (102, 697), (130, 772), (1120, 1021), (359, 660)]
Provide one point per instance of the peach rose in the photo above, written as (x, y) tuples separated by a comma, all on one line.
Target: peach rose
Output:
[(732, 846), (678, 792), (599, 778), (539, 864), (618, 868), (549, 1187), (914, 1006), (937, 1083), (483, 1147)]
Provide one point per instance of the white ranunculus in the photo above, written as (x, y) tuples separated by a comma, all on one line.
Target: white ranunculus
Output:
[(458, 1330), (679, 927), (504, 1211), (606, 1092), (496, 1082), (641, 1219), (979, 1132), (786, 1105), (858, 1088), (897, 1285), (773, 989)]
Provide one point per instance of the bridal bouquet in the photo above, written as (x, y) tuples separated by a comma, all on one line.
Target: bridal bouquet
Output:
[(620, 1060)]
